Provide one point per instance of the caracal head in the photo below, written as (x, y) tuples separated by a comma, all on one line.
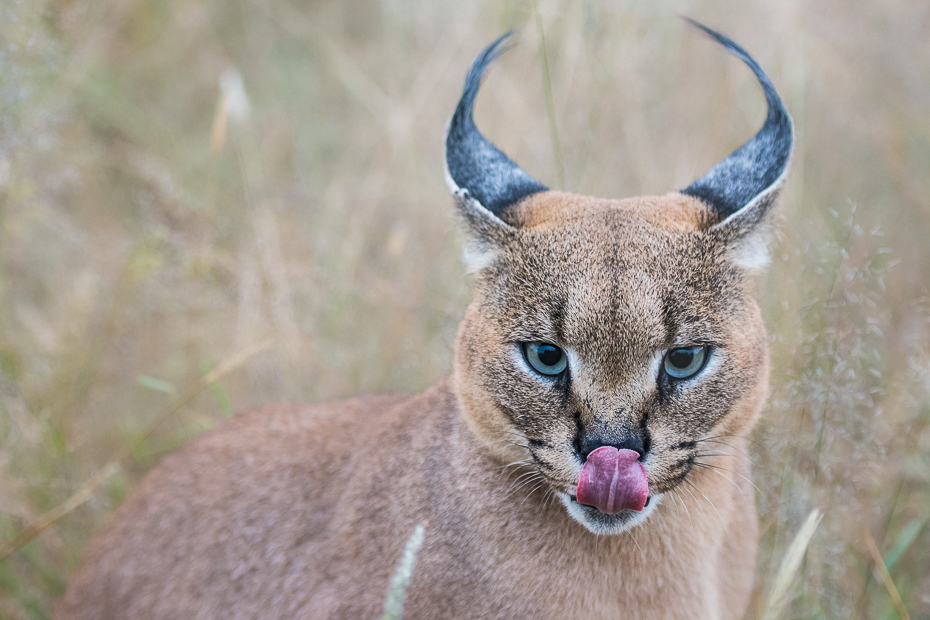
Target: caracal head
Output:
[(611, 343)]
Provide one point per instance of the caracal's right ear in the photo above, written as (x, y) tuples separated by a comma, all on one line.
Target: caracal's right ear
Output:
[(484, 181), (742, 188)]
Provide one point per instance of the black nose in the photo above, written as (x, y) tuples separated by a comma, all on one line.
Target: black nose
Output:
[(621, 441)]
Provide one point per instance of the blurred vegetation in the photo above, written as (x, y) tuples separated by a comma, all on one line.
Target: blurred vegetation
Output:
[(154, 222)]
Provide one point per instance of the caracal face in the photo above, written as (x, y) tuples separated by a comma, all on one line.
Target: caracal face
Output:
[(612, 345)]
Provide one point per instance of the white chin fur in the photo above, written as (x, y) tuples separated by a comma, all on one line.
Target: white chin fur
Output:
[(606, 524)]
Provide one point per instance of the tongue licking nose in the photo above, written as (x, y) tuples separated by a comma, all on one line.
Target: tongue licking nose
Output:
[(613, 480)]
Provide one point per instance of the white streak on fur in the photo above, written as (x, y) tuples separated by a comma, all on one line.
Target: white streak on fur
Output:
[(519, 361), (752, 251), (574, 362), (477, 257), (655, 366), (477, 253)]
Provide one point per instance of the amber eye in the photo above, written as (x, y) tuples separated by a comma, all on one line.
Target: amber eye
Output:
[(685, 362), (546, 359)]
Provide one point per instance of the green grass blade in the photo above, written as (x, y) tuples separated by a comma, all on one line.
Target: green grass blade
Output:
[(550, 106), (905, 539), (159, 385)]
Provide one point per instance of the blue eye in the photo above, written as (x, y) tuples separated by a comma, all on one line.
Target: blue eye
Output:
[(685, 362), (546, 359)]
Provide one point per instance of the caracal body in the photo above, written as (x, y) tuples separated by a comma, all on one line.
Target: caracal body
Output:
[(587, 458)]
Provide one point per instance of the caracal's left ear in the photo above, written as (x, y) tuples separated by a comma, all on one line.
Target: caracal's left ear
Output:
[(742, 188)]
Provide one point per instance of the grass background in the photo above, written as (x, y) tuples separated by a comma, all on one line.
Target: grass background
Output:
[(143, 241)]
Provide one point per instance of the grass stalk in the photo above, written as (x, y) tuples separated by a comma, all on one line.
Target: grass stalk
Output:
[(899, 607), (790, 564), (550, 106)]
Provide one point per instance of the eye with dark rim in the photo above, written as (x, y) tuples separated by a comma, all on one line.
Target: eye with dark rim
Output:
[(685, 362), (546, 359)]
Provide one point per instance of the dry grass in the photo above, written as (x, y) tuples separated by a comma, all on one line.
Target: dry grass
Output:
[(143, 239)]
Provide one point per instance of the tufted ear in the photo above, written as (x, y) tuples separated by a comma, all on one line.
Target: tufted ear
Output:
[(483, 179), (742, 188)]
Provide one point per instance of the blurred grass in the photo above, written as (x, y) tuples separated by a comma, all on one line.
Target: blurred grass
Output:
[(136, 252)]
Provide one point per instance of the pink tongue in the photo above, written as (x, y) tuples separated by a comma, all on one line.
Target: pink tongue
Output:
[(613, 480)]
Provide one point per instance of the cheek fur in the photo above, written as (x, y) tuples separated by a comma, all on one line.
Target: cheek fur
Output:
[(504, 398)]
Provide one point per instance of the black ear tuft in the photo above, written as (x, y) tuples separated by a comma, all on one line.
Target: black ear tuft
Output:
[(474, 164), (761, 163)]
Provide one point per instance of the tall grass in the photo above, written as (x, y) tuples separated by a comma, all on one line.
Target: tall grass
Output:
[(150, 229)]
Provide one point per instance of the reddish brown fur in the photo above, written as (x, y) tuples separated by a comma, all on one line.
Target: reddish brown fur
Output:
[(302, 513), (553, 209)]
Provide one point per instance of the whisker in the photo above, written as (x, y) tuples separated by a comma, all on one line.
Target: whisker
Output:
[(526, 461), (635, 542), (722, 522), (697, 503), (710, 454), (723, 443), (533, 490), (514, 464), (517, 434), (715, 470), (520, 477), (524, 485), (752, 441), (677, 495), (547, 497), (730, 471), (532, 477)]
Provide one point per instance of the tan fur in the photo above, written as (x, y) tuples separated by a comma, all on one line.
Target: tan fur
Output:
[(674, 211), (303, 512)]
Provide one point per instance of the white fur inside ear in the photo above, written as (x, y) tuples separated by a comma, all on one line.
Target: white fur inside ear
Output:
[(477, 257), (752, 251)]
